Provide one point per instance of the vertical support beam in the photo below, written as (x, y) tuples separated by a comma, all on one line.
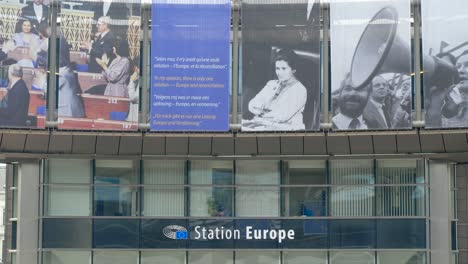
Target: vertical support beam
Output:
[(440, 224), (235, 6), (325, 121), (51, 90), (28, 212), (8, 213), (418, 119), (146, 67)]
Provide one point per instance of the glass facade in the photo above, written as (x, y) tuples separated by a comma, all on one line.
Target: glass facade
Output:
[(356, 210)]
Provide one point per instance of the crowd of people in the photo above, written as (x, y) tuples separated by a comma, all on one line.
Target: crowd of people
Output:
[(379, 105)]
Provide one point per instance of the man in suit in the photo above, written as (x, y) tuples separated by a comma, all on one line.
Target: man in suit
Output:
[(377, 109), (455, 108), (352, 102), (15, 104), (102, 45), (117, 11), (36, 12)]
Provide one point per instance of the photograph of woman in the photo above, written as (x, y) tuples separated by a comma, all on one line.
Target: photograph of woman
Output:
[(280, 104)]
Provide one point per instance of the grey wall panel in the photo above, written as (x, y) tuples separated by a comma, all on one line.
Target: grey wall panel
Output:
[(292, 145), (84, 144), (431, 142), (408, 143), (246, 145), (384, 144), (13, 141), (130, 144), (223, 145), (338, 144), (154, 145), (107, 145), (361, 144), (60, 142), (37, 142), (315, 145), (200, 145), (268, 145), (455, 142), (176, 145)]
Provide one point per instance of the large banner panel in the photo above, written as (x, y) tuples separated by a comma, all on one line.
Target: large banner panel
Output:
[(445, 63), (99, 65), (190, 65), (24, 41), (280, 65), (371, 64)]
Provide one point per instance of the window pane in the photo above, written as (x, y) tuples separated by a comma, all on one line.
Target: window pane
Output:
[(398, 171), (352, 258), (116, 172), (401, 257), (116, 233), (67, 200), (164, 171), (309, 233), (163, 257), (400, 200), (66, 257), (257, 201), (115, 257), (304, 257), (304, 201), (115, 200), (213, 257), (257, 257), (401, 233), (349, 197), (352, 234), (164, 201), (305, 172), (66, 233), (211, 201), (69, 171)]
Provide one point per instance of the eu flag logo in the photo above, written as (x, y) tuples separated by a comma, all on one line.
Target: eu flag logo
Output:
[(181, 235)]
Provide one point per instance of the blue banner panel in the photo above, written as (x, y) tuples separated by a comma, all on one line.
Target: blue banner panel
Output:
[(190, 65)]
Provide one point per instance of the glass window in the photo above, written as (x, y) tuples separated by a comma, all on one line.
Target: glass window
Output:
[(400, 171), (392, 257), (352, 234), (257, 201), (115, 257), (67, 200), (304, 257), (353, 193), (304, 201), (309, 233), (116, 200), (122, 172), (401, 200), (116, 233), (164, 199), (257, 257), (210, 257), (357, 257), (401, 233), (211, 201), (66, 233), (66, 257), (69, 171), (162, 257)]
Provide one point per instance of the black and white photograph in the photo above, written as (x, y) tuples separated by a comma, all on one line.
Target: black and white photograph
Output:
[(280, 65), (445, 63), (371, 84)]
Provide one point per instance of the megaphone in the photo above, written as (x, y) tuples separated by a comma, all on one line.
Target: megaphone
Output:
[(380, 50)]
